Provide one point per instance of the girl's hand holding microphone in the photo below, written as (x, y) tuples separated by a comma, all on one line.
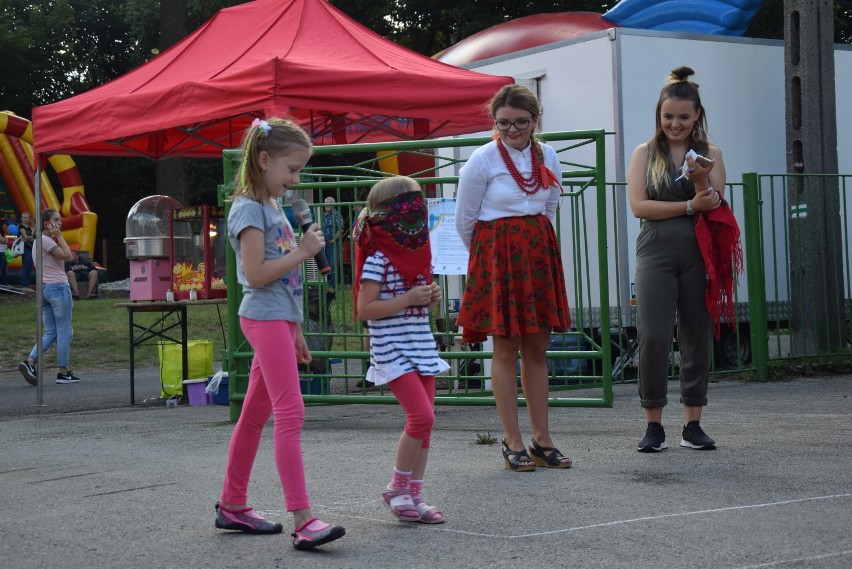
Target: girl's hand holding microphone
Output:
[(312, 241)]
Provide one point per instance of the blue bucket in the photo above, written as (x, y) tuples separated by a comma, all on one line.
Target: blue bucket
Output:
[(564, 367), (221, 397)]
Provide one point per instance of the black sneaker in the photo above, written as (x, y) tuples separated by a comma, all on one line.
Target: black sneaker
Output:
[(29, 372), (654, 440), (695, 438), (66, 377)]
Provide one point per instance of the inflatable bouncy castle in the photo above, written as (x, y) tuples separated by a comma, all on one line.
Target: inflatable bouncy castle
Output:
[(17, 193)]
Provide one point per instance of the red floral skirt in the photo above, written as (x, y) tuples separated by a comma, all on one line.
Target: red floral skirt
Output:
[(515, 282)]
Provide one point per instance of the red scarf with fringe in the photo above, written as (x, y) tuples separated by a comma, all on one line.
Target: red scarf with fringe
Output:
[(398, 227), (718, 237)]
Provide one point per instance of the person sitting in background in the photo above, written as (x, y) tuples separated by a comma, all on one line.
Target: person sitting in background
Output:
[(28, 234), (4, 223), (83, 270)]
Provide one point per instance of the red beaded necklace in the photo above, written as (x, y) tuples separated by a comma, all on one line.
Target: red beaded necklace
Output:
[(529, 185)]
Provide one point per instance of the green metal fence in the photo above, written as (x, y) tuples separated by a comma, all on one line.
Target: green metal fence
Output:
[(767, 328), (593, 225), (798, 254), (578, 360)]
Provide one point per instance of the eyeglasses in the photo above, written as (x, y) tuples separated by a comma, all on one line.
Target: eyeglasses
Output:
[(520, 124)]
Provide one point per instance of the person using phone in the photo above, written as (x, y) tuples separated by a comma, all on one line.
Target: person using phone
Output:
[(56, 300), (670, 272)]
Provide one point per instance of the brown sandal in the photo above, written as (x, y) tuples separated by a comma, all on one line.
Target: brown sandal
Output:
[(514, 459), (548, 457)]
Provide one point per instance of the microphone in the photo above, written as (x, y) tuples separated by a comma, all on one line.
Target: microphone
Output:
[(304, 218)]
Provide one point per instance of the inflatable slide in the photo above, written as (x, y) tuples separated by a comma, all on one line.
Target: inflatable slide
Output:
[(17, 169)]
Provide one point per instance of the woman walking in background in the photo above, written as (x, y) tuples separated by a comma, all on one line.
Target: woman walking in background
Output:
[(56, 301)]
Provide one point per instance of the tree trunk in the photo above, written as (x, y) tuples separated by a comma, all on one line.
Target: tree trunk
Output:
[(171, 172)]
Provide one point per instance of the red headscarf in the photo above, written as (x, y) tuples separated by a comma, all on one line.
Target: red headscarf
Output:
[(718, 238), (398, 228)]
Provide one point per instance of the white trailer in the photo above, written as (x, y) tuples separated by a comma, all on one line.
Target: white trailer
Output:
[(611, 80)]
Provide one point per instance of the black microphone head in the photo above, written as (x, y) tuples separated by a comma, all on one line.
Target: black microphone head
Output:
[(302, 212)]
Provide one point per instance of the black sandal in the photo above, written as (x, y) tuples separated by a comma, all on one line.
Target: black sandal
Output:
[(513, 459), (549, 457)]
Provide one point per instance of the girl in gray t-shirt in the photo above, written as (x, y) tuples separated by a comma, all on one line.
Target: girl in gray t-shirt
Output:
[(268, 268)]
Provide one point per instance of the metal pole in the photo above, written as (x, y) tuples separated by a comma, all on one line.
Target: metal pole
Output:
[(39, 284), (756, 278), (606, 339)]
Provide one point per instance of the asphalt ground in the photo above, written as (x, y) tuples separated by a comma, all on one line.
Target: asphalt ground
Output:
[(88, 481)]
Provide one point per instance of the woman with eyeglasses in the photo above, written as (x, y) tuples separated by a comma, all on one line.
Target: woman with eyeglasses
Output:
[(515, 289)]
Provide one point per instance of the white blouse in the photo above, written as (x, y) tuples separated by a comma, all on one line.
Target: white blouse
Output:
[(487, 190)]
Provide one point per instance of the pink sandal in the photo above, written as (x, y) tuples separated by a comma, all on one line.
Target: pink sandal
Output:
[(428, 514), (401, 505)]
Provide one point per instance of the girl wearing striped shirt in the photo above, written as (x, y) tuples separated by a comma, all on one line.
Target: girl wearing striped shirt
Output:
[(394, 292)]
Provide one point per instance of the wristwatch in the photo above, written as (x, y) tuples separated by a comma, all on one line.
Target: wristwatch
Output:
[(689, 210)]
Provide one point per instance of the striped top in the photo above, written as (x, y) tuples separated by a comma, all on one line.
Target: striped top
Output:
[(401, 342)]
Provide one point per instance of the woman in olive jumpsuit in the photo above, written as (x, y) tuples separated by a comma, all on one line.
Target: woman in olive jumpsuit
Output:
[(670, 274)]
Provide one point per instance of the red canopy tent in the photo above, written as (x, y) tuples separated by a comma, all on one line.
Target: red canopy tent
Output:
[(301, 58)]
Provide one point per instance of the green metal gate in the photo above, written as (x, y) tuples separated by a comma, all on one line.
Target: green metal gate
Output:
[(579, 362)]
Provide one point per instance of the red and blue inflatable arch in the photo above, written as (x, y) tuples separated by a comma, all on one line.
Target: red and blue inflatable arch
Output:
[(716, 17)]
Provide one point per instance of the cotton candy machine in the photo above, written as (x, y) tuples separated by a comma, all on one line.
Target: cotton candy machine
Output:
[(147, 247)]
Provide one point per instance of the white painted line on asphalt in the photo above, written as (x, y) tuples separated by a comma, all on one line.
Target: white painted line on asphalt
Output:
[(336, 509), (786, 561), (447, 528), (682, 514)]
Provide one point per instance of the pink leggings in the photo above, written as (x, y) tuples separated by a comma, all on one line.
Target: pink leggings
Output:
[(273, 389), (416, 395)]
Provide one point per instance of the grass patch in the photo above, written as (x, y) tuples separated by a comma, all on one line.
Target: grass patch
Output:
[(486, 439), (101, 334)]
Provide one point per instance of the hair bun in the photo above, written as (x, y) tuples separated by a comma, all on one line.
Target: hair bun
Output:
[(681, 73)]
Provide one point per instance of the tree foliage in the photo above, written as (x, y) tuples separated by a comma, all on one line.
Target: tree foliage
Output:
[(430, 26), (55, 49), (768, 23)]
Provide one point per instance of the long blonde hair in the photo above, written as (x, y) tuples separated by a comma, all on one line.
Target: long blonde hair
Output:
[(519, 97), (678, 86), (274, 136)]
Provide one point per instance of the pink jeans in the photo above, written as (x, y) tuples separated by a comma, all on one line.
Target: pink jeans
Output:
[(273, 389), (416, 395)]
